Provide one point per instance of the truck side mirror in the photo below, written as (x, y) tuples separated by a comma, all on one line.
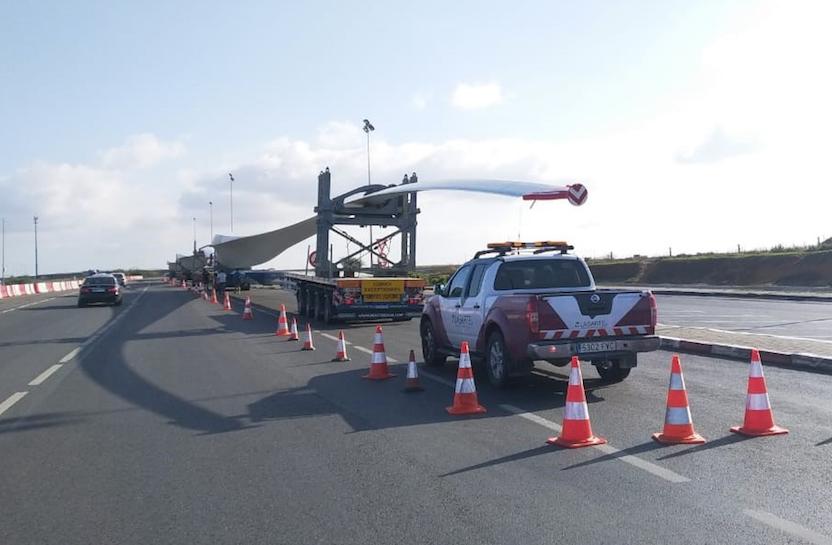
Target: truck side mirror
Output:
[(439, 289)]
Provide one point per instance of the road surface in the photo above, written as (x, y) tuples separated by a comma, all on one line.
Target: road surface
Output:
[(168, 420)]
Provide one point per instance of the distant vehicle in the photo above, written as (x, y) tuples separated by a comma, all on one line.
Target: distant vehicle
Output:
[(122, 279), (514, 308), (99, 288)]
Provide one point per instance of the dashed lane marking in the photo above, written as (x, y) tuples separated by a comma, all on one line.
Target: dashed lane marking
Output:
[(634, 461), (69, 356), (45, 375), (789, 527), (27, 305), (14, 398)]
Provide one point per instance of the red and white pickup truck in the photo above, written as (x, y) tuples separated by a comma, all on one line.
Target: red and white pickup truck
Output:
[(525, 304)]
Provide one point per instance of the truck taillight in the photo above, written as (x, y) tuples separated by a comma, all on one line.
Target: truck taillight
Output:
[(532, 318), (654, 311)]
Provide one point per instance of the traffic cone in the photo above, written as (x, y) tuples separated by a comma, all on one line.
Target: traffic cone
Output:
[(678, 426), (759, 419), (247, 314), (378, 366), (341, 355), (227, 304), (282, 324), (293, 334), (465, 393), (411, 383), (214, 296), (577, 431), (184, 285), (204, 293), (307, 344)]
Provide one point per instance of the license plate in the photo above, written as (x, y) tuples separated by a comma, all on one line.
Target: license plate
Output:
[(98, 290), (600, 346)]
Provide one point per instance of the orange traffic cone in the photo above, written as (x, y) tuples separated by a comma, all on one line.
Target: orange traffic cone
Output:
[(184, 285), (214, 296), (247, 314), (307, 344), (759, 419), (378, 366), (341, 355), (577, 431), (204, 293), (411, 383), (678, 426), (282, 323), (227, 304), (293, 334), (465, 393)]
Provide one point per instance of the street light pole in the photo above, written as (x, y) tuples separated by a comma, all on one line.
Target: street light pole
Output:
[(368, 128), (3, 251), (194, 235), (36, 247), (211, 207), (231, 198)]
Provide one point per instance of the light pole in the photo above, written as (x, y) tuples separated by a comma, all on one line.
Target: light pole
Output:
[(3, 251), (231, 198), (36, 247), (211, 207), (194, 235), (368, 128)]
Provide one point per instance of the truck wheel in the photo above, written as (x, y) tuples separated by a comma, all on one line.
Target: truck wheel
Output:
[(429, 348), (613, 373), (497, 360)]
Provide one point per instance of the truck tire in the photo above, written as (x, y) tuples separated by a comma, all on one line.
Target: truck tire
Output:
[(429, 348), (613, 373), (497, 361)]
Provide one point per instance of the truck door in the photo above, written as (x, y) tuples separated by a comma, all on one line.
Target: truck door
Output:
[(472, 310), (452, 303)]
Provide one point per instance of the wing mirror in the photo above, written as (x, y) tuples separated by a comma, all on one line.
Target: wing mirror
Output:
[(439, 289)]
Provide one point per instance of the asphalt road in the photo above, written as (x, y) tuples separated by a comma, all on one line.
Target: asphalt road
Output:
[(808, 320), (180, 423)]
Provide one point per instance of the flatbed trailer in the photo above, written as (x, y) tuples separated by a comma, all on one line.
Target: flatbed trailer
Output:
[(359, 298)]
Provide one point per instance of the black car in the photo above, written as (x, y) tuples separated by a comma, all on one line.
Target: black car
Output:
[(99, 288)]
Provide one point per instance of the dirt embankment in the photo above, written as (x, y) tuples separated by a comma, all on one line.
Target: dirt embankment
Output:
[(808, 269)]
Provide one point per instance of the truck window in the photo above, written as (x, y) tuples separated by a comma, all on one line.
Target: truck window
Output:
[(541, 275), (476, 280), (457, 285)]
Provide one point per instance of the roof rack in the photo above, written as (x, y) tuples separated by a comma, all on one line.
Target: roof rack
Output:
[(503, 248)]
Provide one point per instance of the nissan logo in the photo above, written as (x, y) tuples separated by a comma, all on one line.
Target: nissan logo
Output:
[(595, 298)]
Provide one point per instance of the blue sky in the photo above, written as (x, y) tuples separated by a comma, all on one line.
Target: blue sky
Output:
[(163, 98)]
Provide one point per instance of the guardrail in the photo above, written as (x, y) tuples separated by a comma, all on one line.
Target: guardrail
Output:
[(20, 290)]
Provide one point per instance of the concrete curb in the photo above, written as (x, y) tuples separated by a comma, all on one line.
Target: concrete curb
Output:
[(802, 362)]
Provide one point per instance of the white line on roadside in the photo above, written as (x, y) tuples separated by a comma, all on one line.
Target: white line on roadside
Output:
[(747, 333), (28, 305), (69, 356), (362, 349), (634, 461), (14, 398), (789, 527), (45, 375), (330, 337)]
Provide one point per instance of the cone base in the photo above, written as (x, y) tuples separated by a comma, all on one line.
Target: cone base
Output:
[(478, 409), (308, 348), (411, 388), (290, 339), (576, 443), (340, 359), (750, 432), (670, 440), (247, 317), (378, 377)]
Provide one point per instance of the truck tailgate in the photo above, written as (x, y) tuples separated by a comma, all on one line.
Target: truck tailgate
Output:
[(602, 313)]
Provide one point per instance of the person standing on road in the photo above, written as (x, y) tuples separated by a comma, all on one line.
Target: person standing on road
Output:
[(237, 281), (221, 282)]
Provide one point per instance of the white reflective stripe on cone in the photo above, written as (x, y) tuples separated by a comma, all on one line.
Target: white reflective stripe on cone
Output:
[(576, 410), (756, 369), (677, 381), (575, 377), (378, 339), (464, 361), (411, 370), (757, 402), (379, 357), (677, 415), (465, 386)]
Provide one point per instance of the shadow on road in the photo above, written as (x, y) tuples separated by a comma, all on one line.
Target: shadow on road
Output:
[(638, 449), (827, 442), (530, 453), (716, 443), (37, 421)]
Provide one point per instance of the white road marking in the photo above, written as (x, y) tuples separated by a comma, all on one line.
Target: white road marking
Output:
[(747, 333), (328, 336), (45, 375), (69, 356), (634, 461), (362, 349), (305, 391), (14, 398), (789, 527), (28, 305)]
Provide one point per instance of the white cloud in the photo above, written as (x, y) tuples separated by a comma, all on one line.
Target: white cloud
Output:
[(141, 151), (469, 96)]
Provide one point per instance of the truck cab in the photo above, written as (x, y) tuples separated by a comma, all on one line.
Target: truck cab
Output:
[(535, 301)]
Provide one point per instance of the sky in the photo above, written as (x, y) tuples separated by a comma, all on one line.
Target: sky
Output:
[(695, 126)]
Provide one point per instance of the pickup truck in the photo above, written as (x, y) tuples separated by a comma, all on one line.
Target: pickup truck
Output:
[(521, 305)]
